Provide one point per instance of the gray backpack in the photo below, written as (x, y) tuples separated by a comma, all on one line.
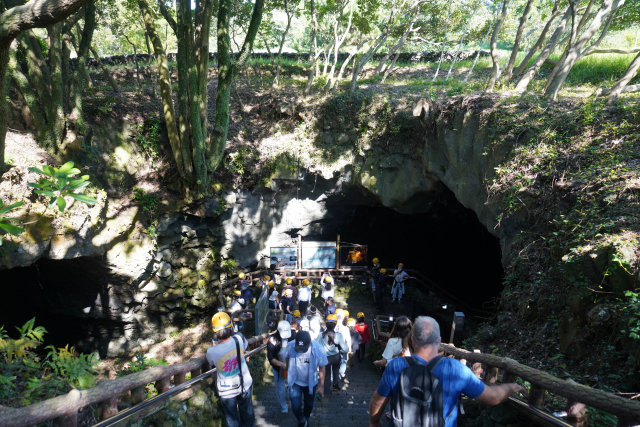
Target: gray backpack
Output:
[(419, 399)]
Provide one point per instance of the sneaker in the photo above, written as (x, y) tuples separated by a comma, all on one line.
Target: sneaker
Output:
[(304, 424), (336, 388), (393, 302)]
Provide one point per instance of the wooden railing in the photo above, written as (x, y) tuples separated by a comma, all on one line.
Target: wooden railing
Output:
[(577, 395), (63, 410)]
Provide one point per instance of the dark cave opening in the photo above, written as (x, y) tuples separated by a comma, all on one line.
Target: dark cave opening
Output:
[(448, 244), (70, 298)]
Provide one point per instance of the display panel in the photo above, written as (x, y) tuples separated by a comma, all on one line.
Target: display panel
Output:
[(318, 254), (353, 255), (284, 258)]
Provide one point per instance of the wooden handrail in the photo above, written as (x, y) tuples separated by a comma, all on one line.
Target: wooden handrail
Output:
[(106, 390), (608, 402)]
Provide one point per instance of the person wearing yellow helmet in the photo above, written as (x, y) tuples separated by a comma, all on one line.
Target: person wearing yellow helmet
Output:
[(344, 331), (334, 346), (296, 315), (356, 340), (363, 329), (374, 272), (286, 305), (289, 285), (234, 382), (399, 278), (304, 298), (381, 283)]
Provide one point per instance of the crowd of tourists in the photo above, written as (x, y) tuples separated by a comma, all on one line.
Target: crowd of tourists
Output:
[(310, 360)]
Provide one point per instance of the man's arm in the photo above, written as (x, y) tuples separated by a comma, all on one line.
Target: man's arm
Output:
[(376, 409), (320, 387), (496, 394)]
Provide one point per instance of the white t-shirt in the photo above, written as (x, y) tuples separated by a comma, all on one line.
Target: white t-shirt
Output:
[(223, 356), (346, 335), (302, 362), (325, 293), (400, 276), (394, 349), (314, 327), (304, 294)]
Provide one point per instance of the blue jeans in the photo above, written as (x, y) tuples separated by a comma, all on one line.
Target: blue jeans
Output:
[(343, 365), (280, 397), (297, 394), (244, 405), (288, 317)]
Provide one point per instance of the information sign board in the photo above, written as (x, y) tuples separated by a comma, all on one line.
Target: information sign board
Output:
[(284, 258), (318, 254)]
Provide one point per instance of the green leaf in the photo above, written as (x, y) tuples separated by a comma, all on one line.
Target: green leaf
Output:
[(84, 199), (73, 172), (10, 207), (45, 193), (62, 204), (51, 203), (66, 168), (36, 170), (77, 184), (11, 229), (49, 170)]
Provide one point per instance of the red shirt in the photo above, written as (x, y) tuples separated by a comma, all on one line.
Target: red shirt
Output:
[(363, 329)]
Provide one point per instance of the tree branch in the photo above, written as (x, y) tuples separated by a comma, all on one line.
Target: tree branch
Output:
[(167, 16), (35, 14)]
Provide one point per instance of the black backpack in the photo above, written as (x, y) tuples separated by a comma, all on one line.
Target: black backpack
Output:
[(419, 399)]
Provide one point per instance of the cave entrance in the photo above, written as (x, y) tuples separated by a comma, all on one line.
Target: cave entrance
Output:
[(70, 298), (448, 244)]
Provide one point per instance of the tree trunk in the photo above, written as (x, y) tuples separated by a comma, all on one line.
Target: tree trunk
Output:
[(149, 53), (466, 28), (105, 70), (537, 46), (313, 55), (204, 10), (444, 42), (344, 66), (135, 58), (516, 44), (494, 47), (526, 78), (4, 110), (475, 61), (165, 92), (631, 72), (226, 72), (577, 51), (282, 41), (182, 65)]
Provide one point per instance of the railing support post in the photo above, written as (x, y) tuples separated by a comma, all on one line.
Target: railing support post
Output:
[(195, 373), (508, 377), (490, 374), (576, 413), (138, 395), (69, 420), (162, 385), (108, 408), (179, 378), (536, 396)]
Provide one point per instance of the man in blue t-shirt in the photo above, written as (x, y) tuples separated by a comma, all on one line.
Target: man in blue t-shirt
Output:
[(456, 378)]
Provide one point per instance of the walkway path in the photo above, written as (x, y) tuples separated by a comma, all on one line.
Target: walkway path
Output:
[(348, 407)]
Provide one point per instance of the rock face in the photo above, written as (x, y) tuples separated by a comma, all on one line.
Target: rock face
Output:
[(149, 287)]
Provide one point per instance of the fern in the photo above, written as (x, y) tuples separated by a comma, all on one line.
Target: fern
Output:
[(30, 337)]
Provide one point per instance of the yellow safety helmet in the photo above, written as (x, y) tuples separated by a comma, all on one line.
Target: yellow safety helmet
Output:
[(267, 278), (332, 318), (361, 314), (305, 282), (296, 313), (288, 292), (383, 270), (271, 283), (289, 280), (237, 293), (376, 260), (340, 312), (351, 322), (400, 264), (327, 279), (241, 276), (346, 313), (220, 321)]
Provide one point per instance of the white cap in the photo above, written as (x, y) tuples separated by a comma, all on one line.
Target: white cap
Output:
[(274, 296), (241, 300), (304, 325), (284, 328)]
